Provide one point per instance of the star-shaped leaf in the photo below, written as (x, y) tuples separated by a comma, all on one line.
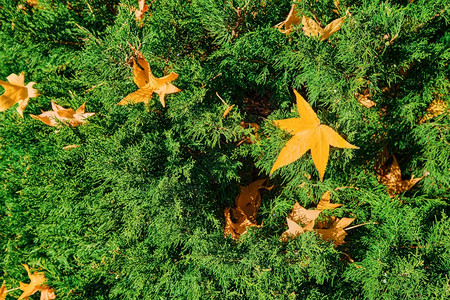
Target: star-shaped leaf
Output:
[(291, 19), (65, 115), (307, 133), (16, 92), (148, 84)]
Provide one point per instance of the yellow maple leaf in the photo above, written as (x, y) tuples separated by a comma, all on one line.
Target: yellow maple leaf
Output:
[(311, 28), (65, 115), (308, 133), (148, 84), (36, 281), (47, 293), (16, 92), (393, 179)]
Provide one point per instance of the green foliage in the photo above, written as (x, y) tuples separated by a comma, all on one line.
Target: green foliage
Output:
[(136, 211)]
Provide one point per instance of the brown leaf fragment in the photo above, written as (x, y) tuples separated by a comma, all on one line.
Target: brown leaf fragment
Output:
[(3, 291), (249, 199), (365, 99), (336, 233), (240, 227), (393, 179), (16, 92), (148, 83), (324, 202), (47, 293), (139, 13), (66, 116), (70, 147), (291, 19), (36, 281), (302, 215), (436, 108)]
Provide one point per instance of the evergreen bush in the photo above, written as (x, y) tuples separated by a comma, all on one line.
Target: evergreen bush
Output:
[(136, 211)]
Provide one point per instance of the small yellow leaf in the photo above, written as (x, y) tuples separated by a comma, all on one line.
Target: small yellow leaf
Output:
[(16, 92), (336, 233), (436, 108), (147, 83), (302, 215), (291, 19), (311, 28), (47, 293), (67, 116), (294, 231)]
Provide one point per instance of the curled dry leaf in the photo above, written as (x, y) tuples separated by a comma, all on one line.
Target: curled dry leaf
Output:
[(393, 179), (336, 232), (139, 13), (324, 202), (36, 281), (436, 108), (247, 205), (291, 19), (65, 115), (307, 133), (16, 92), (147, 83)]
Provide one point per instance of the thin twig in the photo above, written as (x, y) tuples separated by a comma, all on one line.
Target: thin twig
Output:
[(359, 225), (223, 101)]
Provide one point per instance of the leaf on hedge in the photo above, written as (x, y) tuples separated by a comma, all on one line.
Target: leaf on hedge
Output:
[(70, 147), (365, 99), (307, 133), (325, 202), (147, 83), (291, 19), (67, 116), (36, 281), (247, 205), (303, 216), (16, 92), (311, 28), (294, 230), (336, 233), (436, 108), (3, 291), (392, 179)]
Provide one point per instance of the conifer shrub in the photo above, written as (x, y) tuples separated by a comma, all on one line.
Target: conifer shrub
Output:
[(135, 208)]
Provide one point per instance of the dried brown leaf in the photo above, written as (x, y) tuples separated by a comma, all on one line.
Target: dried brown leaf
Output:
[(336, 233), (302, 215), (66, 116), (436, 108), (227, 111), (291, 19)]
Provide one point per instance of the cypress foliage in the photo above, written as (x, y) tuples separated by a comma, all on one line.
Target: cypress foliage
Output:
[(136, 211)]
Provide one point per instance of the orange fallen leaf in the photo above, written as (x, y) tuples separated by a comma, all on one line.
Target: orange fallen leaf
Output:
[(139, 13), (65, 115), (308, 134), (36, 281), (47, 293), (3, 291), (324, 202), (436, 108), (336, 233), (365, 99), (291, 19), (294, 230), (311, 28), (16, 92), (393, 179), (148, 84)]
